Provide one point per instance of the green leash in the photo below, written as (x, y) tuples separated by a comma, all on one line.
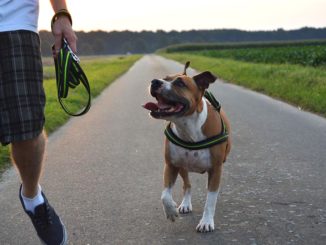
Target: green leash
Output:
[(69, 74), (207, 143)]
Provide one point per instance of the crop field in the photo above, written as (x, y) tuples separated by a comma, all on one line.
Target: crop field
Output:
[(309, 53)]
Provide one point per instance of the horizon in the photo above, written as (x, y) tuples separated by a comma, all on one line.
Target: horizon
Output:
[(214, 29), (251, 15)]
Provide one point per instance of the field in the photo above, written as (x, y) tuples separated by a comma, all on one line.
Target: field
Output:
[(307, 56), (308, 53), (292, 72), (101, 71)]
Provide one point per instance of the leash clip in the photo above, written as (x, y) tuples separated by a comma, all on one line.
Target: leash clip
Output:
[(73, 55)]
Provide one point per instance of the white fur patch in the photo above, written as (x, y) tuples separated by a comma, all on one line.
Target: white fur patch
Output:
[(206, 223), (185, 206), (169, 206), (166, 85), (189, 128)]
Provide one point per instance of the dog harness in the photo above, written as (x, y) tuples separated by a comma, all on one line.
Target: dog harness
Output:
[(69, 74), (207, 143)]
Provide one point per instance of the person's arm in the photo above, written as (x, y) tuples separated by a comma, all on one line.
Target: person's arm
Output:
[(62, 27)]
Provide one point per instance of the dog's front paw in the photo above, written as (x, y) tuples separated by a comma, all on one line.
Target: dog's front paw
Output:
[(185, 207), (205, 225), (170, 209)]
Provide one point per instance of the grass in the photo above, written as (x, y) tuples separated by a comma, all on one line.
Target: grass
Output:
[(100, 71), (4, 158), (302, 86)]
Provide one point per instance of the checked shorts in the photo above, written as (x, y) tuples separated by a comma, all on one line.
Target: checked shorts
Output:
[(22, 97)]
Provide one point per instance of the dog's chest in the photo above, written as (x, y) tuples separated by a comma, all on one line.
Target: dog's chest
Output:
[(192, 160), (189, 128)]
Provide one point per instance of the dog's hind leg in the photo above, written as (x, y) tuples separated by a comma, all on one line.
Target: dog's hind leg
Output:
[(185, 206), (169, 206)]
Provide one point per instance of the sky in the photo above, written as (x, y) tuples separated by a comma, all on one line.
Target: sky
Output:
[(179, 15)]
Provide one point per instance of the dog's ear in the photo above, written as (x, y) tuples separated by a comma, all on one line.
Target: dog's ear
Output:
[(204, 79), (186, 67)]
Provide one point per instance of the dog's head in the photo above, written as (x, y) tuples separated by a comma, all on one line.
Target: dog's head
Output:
[(178, 95)]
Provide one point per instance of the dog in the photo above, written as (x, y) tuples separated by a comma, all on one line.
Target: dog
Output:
[(192, 118)]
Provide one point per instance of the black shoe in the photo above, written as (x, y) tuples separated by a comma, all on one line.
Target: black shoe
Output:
[(47, 223)]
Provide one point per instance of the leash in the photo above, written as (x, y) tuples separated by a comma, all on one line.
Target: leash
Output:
[(207, 143), (69, 74)]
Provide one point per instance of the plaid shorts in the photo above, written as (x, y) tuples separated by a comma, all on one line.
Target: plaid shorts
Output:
[(22, 97)]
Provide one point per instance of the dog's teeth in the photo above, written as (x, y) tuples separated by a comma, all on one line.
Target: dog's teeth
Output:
[(171, 109)]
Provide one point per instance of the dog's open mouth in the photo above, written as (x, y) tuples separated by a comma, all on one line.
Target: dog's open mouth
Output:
[(165, 107)]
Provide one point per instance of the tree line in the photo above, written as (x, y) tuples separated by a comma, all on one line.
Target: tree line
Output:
[(124, 42)]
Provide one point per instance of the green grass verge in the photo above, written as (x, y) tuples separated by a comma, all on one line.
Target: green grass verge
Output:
[(4, 158), (100, 71), (301, 86)]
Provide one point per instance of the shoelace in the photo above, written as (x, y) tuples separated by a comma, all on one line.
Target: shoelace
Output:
[(44, 218), (69, 74)]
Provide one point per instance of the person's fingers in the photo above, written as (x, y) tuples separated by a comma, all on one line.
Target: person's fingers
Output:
[(57, 42), (54, 53), (72, 40)]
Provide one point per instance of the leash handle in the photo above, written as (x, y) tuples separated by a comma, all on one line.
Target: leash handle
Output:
[(69, 74)]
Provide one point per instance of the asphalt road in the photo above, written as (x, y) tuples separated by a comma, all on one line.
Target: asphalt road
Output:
[(103, 173)]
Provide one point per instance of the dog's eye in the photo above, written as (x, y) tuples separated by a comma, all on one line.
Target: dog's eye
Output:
[(179, 83)]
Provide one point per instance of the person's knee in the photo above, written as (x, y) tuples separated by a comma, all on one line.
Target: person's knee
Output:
[(30, 143)]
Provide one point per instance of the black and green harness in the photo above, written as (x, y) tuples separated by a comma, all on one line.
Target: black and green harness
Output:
[(207, 143), (69, 74)]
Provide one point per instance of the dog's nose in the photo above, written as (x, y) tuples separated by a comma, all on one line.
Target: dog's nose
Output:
[(155, 84)]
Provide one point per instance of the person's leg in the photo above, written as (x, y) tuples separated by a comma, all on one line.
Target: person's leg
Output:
[(22, 101), (27, 156)]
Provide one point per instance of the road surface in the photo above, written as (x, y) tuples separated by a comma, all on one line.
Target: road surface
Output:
[(103, 173)]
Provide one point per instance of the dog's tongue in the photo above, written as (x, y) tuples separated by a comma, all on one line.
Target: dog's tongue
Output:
[(151, 106), (161, 104)]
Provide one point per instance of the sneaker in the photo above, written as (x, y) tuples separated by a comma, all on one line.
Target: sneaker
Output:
[(47, 223)]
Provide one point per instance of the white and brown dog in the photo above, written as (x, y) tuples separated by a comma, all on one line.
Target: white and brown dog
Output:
[(193, 119)]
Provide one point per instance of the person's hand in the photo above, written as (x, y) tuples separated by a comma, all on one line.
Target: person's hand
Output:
[(62, 29)]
